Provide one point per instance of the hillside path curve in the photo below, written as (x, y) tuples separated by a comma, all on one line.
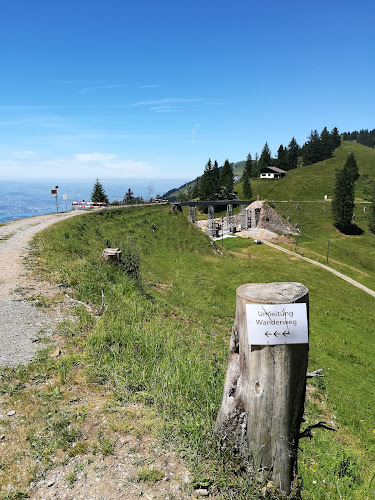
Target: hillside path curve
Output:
[(327, 268), (20, 321)]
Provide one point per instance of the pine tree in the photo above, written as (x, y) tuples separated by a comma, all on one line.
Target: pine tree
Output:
[(98, 195), (336, 139), (227, 180), (215, 181), (343, 200), (293, 153), (312, 149), (248, 166), (246, 186), (265, 159), (282, 157), (327, 145), (204, 185), (129, 197), (352, 167), (209, 182), (195, 191)]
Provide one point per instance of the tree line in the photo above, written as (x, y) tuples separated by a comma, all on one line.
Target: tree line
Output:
[(318, 147), (98, 195), (216, 183), (365, 137), (210, 185)]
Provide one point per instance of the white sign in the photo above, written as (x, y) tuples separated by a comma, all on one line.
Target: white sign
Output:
[(272, 324), (65, 197)]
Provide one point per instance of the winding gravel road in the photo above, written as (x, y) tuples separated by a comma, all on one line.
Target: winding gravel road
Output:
[(20, 321)]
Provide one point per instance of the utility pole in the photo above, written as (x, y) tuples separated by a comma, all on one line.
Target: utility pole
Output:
[(328, 247)]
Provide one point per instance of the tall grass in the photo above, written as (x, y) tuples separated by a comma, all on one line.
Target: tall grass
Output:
[(163, 340)]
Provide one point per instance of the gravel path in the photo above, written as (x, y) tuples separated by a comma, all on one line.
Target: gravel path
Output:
[(327, 268), (21, 322)]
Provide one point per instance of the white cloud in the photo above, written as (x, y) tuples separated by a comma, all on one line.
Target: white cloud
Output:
[(80, 165), (167, 101), (165, 109), (109, 161), (22, 155), (94, 157), (148, 86)]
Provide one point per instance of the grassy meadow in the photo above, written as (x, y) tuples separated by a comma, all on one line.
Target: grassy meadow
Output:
[(314, 181), (162, 341)]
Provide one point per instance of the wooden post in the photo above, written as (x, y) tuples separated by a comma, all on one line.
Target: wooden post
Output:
[(265, 383), (111, 254)]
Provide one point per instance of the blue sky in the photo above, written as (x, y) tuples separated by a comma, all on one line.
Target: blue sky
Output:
[(153, 88)]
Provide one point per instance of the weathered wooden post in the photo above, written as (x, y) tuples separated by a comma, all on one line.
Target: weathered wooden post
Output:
[(265, 383), (111, 254)]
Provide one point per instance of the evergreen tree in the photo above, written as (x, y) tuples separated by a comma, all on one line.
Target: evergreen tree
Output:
[(312, 149), (195, 190), (248, 166), (215, 180), (129, 197), (227, 180), (327, 146), (265, 159), (204, 186), (282, 158), (293, 153), (209, 182), (352, 167), (98, 195), (336, 139), (246, 186), (343, 200)]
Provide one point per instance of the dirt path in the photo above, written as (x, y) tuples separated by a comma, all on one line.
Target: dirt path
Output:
[(21, 322), (327, 268), (86, 476)]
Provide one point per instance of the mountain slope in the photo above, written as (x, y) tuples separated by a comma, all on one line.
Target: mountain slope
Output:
[(314, 181), (307, 183)]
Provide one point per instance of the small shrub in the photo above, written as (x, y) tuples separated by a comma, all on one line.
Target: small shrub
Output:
[(107, 447), (131, 260), (148, 475)]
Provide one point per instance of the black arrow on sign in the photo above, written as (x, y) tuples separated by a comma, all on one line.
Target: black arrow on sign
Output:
[(286, 333), (268, 334), (276, 334)]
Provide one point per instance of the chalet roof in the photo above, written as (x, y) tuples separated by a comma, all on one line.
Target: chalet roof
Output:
[(275, 169)]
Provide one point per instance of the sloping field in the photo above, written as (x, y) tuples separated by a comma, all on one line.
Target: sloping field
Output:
[(314, 181), (162, 341)]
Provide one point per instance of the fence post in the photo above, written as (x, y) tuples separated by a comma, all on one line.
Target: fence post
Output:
[(265, 385)]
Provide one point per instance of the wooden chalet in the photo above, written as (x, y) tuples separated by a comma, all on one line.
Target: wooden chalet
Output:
[(272, 173)]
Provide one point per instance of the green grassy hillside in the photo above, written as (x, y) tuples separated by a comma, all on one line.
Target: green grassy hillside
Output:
[(314, 181), (163, 342), (237, 170), (300, 196)]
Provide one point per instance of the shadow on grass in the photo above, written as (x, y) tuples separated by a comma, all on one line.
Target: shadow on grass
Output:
[(351, 230)]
